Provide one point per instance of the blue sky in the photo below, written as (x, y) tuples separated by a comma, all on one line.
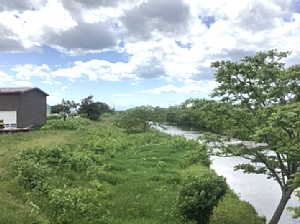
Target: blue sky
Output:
[(136, 52)]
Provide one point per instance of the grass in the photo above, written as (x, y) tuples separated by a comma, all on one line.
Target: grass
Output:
[(102, 176), (13, 209)]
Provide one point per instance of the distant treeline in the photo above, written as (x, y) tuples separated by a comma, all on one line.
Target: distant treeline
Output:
[(197, 113)]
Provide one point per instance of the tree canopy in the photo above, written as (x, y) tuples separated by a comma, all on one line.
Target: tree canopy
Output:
[(93, 110), (140, 119), (64, 108), (260, 102)]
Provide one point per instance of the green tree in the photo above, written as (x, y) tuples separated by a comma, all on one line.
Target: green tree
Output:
[(64, 108), (260, 103), (140, 119), (56, 109), (199, 195), (93, 110)]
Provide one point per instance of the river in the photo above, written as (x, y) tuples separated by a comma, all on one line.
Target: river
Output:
[(262, 193)]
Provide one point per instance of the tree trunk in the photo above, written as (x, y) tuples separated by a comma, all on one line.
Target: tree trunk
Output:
[(286, 195)]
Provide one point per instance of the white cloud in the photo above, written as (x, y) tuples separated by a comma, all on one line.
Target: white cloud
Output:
[(27, 71), (64, 88), (169, 40), (5, 78), (22, 83), (47, 82), (190, 88)]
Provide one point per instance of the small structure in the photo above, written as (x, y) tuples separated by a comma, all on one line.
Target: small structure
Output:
[(22, 107)]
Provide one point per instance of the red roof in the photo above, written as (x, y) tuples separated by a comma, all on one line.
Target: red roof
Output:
[(8, 90)]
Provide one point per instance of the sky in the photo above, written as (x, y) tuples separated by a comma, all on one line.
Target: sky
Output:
[(128, 53)]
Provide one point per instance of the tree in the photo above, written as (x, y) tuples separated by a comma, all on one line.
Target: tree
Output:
[(92, 110), (140, 119), (260, 101), (56, 109), (64, 108), (199, 195)]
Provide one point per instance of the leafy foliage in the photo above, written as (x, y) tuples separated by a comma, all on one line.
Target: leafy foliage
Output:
[(79, 205), (98, 174), (93, 110), (199, 195), (140, 119), (259, 104), (231, 210), (199, 113), (64, 108), (68, 124)]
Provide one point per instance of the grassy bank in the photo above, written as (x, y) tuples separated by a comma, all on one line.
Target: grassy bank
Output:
[(95, 173)]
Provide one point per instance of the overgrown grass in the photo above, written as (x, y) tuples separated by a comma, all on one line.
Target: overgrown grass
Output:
[(68, 124), (98, 174)]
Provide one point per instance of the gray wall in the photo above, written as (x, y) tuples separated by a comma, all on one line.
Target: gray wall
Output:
[(9, 102), (30, 107)]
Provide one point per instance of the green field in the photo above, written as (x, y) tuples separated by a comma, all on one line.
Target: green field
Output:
[(92, 172)]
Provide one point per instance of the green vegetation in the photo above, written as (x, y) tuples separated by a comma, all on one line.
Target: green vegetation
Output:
[(199, 195), (96, 173), (140, 119), (199, 114), (64, 108), (87, 108), (260, 102), (93, 110)]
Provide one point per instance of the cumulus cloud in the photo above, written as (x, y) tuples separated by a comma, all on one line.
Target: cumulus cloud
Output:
[(170, 40), (9, 40), (22, 83), (21, 5), (27, 71), (64, 88), (165, 16), (47, 82), (190, 88), (5, 78), (82, 38)]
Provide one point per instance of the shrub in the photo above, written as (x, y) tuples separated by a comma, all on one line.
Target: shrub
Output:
[(55, 117), (105, 115), (195, 152), (79, 205), (68, 124), (198, 196)]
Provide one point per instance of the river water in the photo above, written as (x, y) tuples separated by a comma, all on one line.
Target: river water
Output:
[(262, 193)]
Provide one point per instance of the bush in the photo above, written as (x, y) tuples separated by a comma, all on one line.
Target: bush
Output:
[(79, 205), (231, 210), (68, 124), (199, 195), (105, 115), (138, 119), (54, 117), (195, 152)]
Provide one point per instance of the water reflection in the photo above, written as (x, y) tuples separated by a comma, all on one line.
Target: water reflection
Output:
[(262, 193)]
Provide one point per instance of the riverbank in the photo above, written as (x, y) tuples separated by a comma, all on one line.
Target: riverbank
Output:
[(264, 194), (95, 173)]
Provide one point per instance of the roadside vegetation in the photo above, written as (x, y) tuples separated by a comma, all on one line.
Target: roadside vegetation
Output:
[(82, 171)]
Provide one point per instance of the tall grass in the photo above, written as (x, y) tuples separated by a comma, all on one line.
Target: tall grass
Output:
[(95, 173)]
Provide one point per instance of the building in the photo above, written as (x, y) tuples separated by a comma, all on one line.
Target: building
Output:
[(21, 107)]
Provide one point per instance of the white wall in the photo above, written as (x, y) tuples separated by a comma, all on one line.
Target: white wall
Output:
[(9, 118)]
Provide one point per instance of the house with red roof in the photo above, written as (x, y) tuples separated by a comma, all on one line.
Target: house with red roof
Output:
[(22, 106)]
